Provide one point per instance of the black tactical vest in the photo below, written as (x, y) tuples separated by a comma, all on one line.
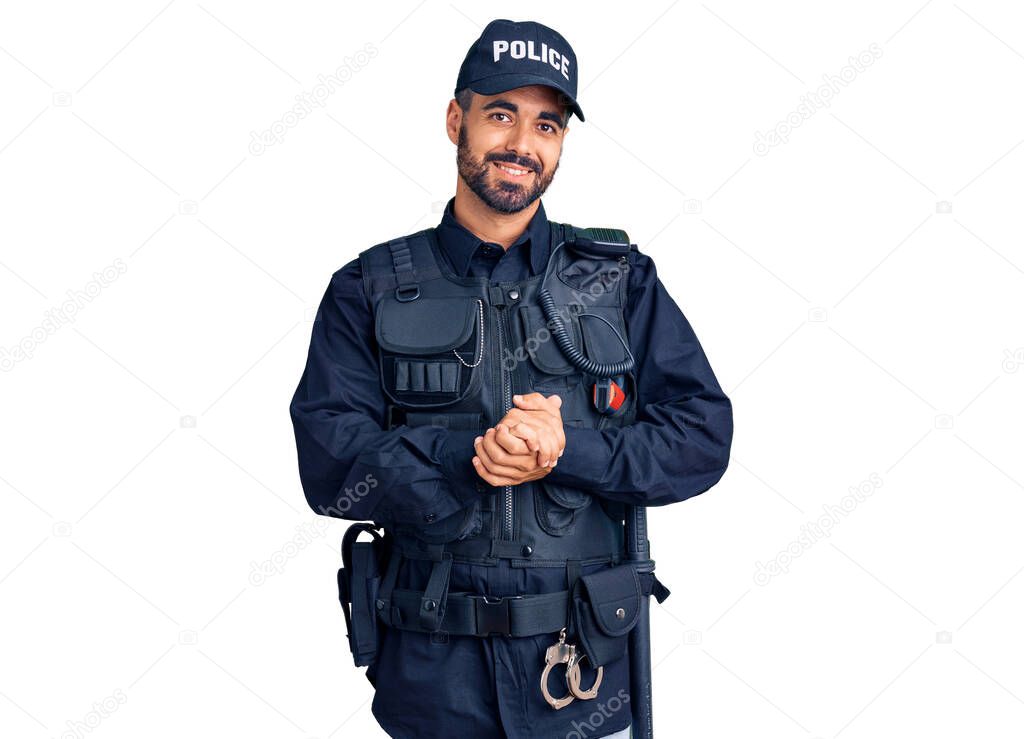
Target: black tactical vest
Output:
[(454, 350)]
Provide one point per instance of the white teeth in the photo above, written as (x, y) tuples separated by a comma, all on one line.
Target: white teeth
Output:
[(513, 172)]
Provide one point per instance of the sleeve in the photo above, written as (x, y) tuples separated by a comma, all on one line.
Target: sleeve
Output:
[(679, 444), (349, 466)]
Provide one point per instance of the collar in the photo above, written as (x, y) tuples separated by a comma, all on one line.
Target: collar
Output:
[(461, 244)]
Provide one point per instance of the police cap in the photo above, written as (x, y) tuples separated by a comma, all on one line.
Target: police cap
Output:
[(512, 54)]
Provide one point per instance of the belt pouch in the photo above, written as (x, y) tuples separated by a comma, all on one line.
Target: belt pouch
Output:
[(606, 606), (358, 584)]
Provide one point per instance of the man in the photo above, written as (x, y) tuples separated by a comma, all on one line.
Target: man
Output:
[(493, 393)]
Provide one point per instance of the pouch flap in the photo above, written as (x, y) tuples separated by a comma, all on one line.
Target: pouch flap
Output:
[(587, 274), (614, 598), (566, 496), (540, 345), (600, 339), (425, 325)]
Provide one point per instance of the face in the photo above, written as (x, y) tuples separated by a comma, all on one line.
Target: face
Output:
[(509, 145)]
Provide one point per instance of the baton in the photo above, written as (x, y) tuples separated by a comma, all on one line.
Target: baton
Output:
[(638, 551)]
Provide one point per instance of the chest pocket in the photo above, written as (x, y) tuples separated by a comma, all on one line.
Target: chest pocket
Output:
[(548, 367), (429, 348)]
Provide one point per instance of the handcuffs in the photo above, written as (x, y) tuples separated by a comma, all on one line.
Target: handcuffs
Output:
[(571, 657)]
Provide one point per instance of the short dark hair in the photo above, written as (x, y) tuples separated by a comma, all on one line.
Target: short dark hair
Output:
[(464, 98)]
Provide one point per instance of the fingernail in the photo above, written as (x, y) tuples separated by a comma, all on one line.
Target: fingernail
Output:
[(517, 397), (555, 464), (477, 440)]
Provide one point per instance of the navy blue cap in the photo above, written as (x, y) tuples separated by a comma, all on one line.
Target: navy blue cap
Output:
[(512, 54)]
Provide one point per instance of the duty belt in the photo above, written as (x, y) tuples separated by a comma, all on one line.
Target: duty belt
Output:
[(471, 614)]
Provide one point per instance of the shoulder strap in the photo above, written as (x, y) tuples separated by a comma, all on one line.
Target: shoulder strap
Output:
[(401, 264)]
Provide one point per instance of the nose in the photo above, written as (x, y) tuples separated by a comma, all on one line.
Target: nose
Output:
[(520, 142)]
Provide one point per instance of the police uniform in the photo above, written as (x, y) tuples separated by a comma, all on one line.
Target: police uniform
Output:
[(465, 589)]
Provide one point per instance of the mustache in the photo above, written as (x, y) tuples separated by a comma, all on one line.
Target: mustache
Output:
[(514, 160)]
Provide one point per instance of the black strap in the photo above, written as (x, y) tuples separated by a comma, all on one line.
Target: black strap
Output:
[(433, 600), (385, 608), (401, 257), (470, 614), (351, 534), (572, 572)]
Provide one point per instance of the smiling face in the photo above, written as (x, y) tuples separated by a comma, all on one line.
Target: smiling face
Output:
[(509, 145)]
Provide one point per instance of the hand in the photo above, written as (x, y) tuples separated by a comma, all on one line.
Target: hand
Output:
[(537, 421), (524, 445), (497, 466)]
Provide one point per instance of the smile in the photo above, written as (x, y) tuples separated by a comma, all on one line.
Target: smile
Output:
[(510, 170)]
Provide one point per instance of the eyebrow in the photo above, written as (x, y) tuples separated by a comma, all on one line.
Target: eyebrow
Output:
[(546, 115)]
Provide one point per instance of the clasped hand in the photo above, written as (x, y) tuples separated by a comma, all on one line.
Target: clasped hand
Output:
[(525, 444)]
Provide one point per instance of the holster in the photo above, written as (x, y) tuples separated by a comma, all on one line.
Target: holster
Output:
[(606, 607), (358, 584)]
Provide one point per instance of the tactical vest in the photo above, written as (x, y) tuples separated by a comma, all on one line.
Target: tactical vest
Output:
[(453, 352)]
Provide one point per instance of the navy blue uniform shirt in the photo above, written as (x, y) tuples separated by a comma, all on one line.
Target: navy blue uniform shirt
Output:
[(677, 448)]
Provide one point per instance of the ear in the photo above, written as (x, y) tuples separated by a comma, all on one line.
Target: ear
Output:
[(453, 119)]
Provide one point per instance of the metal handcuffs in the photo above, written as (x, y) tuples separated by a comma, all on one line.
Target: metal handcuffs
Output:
[(567, 654)]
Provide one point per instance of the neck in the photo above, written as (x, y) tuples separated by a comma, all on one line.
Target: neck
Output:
[(486, 223)]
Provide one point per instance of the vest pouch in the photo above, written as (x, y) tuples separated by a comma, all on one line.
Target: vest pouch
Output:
[(594, 276), (606, 607), (429, 348), (600, 342), (548, 366), (358, 584), (603, 345), (556, 506)]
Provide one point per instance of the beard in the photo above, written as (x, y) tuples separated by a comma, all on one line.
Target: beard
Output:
[(499, 194)]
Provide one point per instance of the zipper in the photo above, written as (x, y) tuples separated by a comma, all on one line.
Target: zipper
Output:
[(508, 511)]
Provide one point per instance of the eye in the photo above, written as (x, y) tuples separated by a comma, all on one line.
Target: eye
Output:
[(551, 128), (496, 114)]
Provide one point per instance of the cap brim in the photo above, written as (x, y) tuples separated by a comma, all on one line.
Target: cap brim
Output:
[(505, 82)]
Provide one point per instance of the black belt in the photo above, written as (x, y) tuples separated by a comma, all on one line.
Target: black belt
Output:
[(470, 614)]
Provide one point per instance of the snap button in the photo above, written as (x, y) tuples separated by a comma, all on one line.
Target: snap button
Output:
[(380, 604), (429, 518), (513, 294), (429, 605), (527, 550), (620, 613)]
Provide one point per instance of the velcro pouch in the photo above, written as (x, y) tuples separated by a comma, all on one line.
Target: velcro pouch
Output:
[(556, 506), (358, 584), (421, 344), (606, 605)]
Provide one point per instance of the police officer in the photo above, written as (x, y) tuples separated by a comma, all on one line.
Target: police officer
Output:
[(492, 394)]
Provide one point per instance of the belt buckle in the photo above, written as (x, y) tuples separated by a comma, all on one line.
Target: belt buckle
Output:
[(492, 614)]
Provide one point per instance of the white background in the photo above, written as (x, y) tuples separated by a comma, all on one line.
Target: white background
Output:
[(867, 339)]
